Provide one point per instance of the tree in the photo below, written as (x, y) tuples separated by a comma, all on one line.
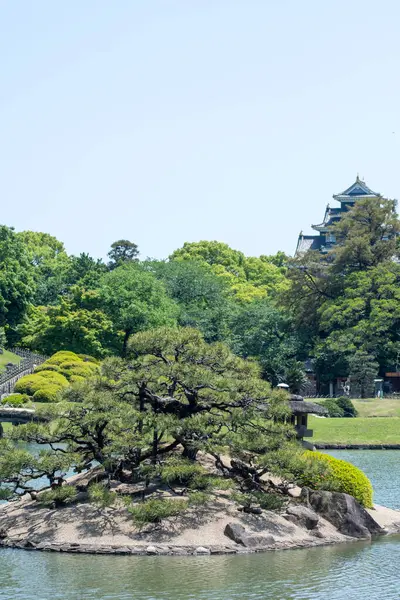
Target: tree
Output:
[(205, 300), (85, 271), (50, 264), (153, 412), (363, 370), (16, 279), (366, 235), (122, 251), (260, 330), (134, 300), (68, 327), (249, 278)]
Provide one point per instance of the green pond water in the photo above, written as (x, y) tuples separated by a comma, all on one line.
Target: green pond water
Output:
[(353, 571)]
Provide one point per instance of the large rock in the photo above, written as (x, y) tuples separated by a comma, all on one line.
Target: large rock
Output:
[(344, 512), (302, 516), (239, 535)]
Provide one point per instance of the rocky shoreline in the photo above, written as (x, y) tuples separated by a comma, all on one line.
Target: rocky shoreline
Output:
[(316, 519)]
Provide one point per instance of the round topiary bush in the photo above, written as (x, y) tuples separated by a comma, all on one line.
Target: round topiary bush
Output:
[(62, 356), (30, 384), (87, 358), (15, 400), (78, 368), (46, 367), (337, 475), (49, 393)]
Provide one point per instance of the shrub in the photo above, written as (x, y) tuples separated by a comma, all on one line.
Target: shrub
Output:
[(156, 509), (48, 393), (198, 498), (76, 379), (30, 384), (15, 399), (87, 358), (347, 406), (46, 367), (180, 470), (62, 356), (99, 494), (68, 369), (337, 475), (333, 408), (58, 496)]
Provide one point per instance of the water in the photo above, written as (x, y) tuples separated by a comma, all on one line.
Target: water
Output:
[(352, 571)]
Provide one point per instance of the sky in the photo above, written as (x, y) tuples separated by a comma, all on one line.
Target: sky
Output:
[(165, 121)]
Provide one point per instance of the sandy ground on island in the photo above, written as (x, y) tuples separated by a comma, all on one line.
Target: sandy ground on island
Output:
[(86, 525)]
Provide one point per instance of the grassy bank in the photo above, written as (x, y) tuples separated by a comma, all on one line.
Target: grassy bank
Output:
[(8, 357), (362, 430)]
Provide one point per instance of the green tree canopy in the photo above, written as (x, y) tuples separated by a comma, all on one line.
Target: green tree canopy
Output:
[(172, 397), (17, 284), (122, 251), (135, 300)]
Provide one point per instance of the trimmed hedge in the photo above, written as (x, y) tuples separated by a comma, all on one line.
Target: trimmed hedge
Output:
[(57, 373), (337, 475), (16, 399), (30, 384), (46, 367), (60, 357), (48, 393)]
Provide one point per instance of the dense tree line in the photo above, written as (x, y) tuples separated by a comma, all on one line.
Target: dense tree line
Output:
[(340, 309)]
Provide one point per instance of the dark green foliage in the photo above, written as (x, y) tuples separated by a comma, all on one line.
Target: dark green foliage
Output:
[(333, 408), (347, 406), (121, 252), (265, 500)]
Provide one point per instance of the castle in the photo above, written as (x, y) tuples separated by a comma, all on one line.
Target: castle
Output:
[(325, 238)]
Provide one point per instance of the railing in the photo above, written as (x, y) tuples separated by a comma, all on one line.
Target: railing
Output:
[(29, 361)]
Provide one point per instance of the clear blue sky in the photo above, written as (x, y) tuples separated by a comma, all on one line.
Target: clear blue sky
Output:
[(164, 121)]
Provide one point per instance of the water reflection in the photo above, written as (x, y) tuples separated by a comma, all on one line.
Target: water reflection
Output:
[(336, 572)]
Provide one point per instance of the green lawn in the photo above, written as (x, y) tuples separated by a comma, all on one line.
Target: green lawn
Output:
[(8, 357), (362, 430)]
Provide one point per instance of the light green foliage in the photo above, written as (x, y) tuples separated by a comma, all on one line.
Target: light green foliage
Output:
[(29, 384), (48, 393), (155, 510), (59, 371), (134, 301), (250, 278), (15, 399), (198, 498), (50, 264), (58, 496), (69, 326), (363, 430), (101, 495), (339, 476), (180, 470)]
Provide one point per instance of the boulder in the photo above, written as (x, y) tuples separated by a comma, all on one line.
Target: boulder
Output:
[(344, 512), (239, 535), (151, 550), (302, 516)]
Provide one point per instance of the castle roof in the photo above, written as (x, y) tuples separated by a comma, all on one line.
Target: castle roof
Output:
[(357, 190)]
